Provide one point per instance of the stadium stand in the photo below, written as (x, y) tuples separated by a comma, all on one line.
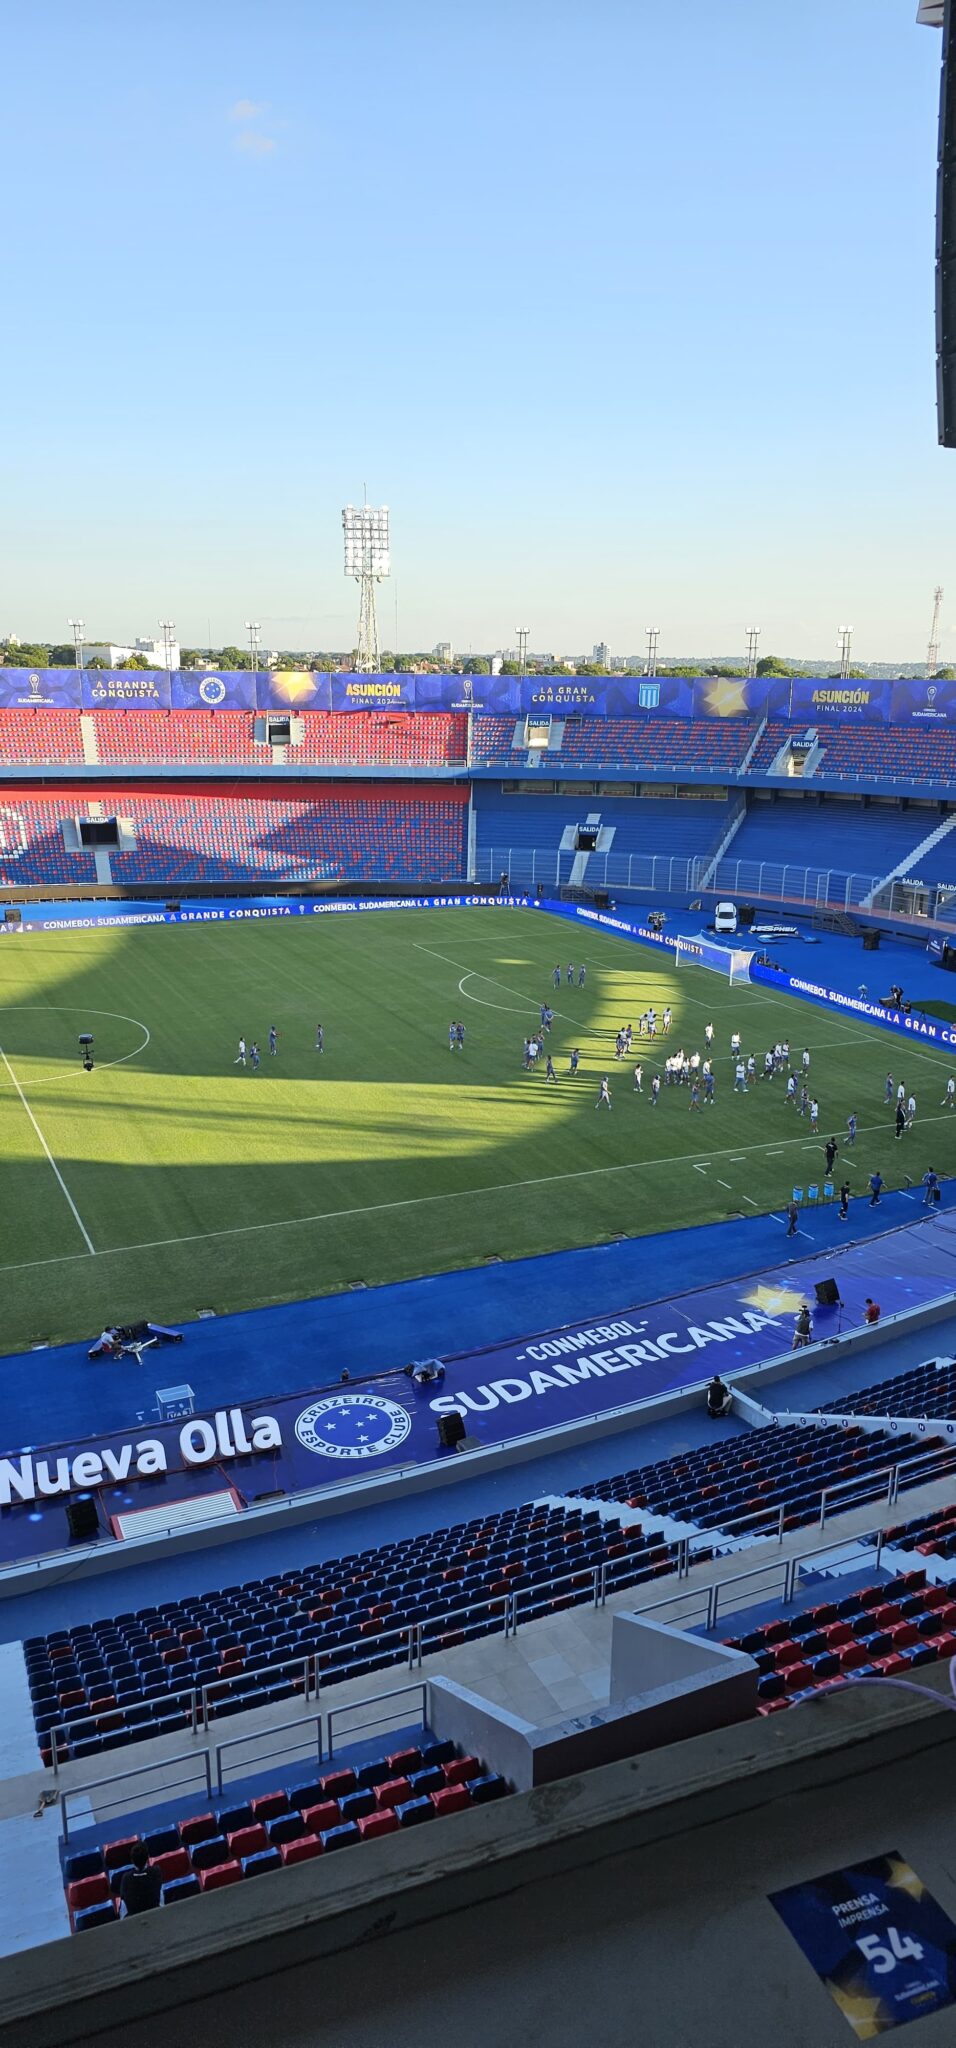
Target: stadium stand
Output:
[(933, 1534), (409, 832), (113, 1682), (714, 746), (271, 1830), (928, 1389), (38, 738), (510, 825), (367, 739), (880, 1631), (729, 1485)]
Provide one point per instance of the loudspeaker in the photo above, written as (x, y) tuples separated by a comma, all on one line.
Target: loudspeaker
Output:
[(13, 916), (602, 900), (174, 906), (82, 1520), (451, 1429), (827, 1293), (946, 242), (745, 914), (871, 942)]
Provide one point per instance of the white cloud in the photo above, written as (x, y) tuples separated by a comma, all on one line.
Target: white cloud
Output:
[(254, 145), (247, 110)]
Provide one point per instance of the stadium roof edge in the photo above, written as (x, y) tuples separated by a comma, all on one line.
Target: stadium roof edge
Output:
[(930, 13)]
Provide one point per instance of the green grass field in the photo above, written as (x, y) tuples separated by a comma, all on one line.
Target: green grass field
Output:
[(201, 1184)]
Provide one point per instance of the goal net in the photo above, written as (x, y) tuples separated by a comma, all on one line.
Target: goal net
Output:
[(731, 961)]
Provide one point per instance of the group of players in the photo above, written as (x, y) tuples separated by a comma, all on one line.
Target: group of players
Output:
[(250, 1055)]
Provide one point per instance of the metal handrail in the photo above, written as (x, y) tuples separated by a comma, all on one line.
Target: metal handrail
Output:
[(198, 1761), (262, 1735), (374, 1699), (712, 1597), (194, 1698)]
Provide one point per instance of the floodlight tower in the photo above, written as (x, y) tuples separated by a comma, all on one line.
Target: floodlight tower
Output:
[(932, 651), (79, 627), (167, 628), (753, 635), (522, 632), (367, 560), (252, 628), (844, 636), (653, 636)]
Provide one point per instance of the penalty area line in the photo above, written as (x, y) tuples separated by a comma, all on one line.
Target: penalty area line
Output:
[(81, 1226)]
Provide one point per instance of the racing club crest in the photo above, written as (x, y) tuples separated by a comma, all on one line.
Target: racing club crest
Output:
[(353, 1426)]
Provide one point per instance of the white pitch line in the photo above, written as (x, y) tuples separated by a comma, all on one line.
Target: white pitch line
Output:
[(406, 1202), (700, 1169), (724, 1184), (90, 1246)]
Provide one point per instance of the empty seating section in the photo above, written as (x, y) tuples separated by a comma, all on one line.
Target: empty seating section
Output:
[(745, 1481), (933, 1534), (783, 841), (237, 1839), (407, 832), (880, 1632), (510, 829), (889, 753), (329, 739), (31, 842), (928, 1389), (701, 746), (119, 1681), (131, 738), (37, 737)]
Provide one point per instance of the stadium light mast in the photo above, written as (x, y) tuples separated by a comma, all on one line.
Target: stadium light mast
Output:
[(167, 628), (252, 628), (753, 635), (523, 633), (653, 636), (79, 627), (366, 560), (844, 636), (932, 651)]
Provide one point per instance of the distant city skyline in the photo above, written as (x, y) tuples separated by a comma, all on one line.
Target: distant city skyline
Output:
[(603, 369)]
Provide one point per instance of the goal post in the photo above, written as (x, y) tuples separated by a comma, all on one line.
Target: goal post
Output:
[(732, 961)]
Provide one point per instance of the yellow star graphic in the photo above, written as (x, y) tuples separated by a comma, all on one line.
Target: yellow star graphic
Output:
[(867, 2016), (904, 1878), (293, 685), (774, 1301), (726, 697)]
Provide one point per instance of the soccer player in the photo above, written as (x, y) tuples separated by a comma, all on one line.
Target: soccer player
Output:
[(570, 974), (814, 1116), (734, 1044), (619, 1046), (556, 977), (901, 1093), (452, 1035), (751, 1071), (740, 1079), (628, 1035), (549, 1073), (460, 1036), (708, 1087), (805, 1059), (575, 1056), (655, 1090), (240, 1059), (694, 1102), (911, 1112), (792, 1089), (320, 1038), (888, 1091), (949, 1099), (851, 1128), (708, 1035), (652, 1023), (581, 972), (534, 1047), (254, 1057), (666, 1020), (542, 1013), (638, 1080), (768, 1067), (605, 1095), (548, 1018), (785, 1052), (273, 1040)]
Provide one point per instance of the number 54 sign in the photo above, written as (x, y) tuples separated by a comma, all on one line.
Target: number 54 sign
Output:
[(878, 1940)]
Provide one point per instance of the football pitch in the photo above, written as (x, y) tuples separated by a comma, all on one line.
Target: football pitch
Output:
[(171, 1179)]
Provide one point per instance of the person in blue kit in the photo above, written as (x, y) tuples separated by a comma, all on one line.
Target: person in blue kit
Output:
[(876, 1188), (931, 1184), (581, 973), (273, 1040), (556, 977), (575, 1057), (549, 1073)]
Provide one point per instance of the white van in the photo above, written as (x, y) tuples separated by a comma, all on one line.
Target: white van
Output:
[(725, 917)]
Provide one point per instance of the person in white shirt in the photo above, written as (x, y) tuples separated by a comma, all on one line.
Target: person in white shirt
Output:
[(240, 1059), (911, 1110), (949, 1099)]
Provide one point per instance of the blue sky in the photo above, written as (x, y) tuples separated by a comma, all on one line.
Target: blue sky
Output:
[(626, 311)]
